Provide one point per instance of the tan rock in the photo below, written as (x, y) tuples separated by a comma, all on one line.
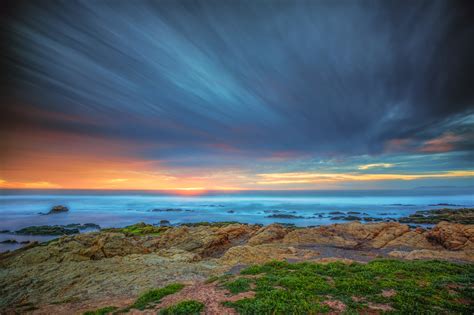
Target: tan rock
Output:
[(387, 234), (452, 236), (352, 234), (268, 234), (320, 235), (328, 260), (263, 253), (412, 239), (467, 256), (207, 241)]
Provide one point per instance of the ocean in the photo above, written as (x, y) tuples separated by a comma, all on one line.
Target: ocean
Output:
[(22, 208)]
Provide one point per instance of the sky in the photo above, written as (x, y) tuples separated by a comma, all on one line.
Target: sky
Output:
[(201, 95)]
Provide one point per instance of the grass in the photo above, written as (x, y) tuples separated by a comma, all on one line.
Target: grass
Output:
[(101, 311), (189, 307), (421, 287), (154, 296), (144, 301), (138, 229), (239, 285)]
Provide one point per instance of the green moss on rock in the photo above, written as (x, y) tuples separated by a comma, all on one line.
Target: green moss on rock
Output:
[(138, 229)]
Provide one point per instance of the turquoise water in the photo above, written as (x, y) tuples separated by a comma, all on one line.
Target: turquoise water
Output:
[(19, 209)]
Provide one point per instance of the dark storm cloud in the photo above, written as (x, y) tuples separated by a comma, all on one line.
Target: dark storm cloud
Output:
[(319, 77)]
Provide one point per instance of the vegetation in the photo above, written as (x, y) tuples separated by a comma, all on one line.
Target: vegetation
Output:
[(184, 308), (154, 296), (138, 229), (402, 287), (463, 216), (239, 285), (146, 300), (101, 311)]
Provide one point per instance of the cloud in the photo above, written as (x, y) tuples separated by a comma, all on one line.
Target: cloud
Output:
[(444, 143), (375, 165), (28, 185), (155, 92), (272, 78), (308, 177)]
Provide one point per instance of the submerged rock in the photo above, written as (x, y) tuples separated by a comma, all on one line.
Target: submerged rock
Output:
[(47, 230), (9, 242), (284, 216), (165, 223), (463, 216), (58, 209), (170, 210), (82, 226), (347, 218)]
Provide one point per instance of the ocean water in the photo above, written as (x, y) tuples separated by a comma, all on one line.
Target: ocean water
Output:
[(19, 209)]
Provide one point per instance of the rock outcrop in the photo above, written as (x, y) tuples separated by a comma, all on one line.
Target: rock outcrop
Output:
[(263, 253), (268, 234), (452, 236), (208, 241), (93, 265)]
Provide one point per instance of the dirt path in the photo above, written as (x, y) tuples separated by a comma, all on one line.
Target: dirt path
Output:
[(208, 294)]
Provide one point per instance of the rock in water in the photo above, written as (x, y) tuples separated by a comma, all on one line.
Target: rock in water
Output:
[(47, 230), (165, 223), (58, 209), (9, 242)]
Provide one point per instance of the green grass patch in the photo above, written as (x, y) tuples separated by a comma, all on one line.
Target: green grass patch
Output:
[(102, 311), (421, 287), (138, 229), (238, 285), (189, 307), (154, 296)]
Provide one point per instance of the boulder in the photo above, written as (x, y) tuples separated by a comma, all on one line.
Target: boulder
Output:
[(413, 239), (452, 236), (268, 234)]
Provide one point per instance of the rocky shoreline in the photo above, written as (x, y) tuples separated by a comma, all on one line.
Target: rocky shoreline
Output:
[(77, 271)]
